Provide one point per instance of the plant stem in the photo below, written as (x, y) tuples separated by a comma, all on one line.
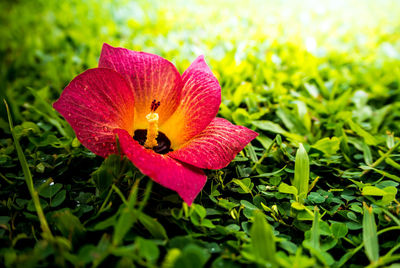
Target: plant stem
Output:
[(382, 158), (266, 153), (29, 181)]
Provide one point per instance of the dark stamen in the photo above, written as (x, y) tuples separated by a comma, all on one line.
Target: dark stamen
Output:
[(154, 105), (164, 144)]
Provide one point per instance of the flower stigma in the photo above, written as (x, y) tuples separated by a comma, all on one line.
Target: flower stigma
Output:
[(152, 129)]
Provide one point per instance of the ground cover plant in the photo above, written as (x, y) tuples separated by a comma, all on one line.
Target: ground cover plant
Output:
[(318, 186)]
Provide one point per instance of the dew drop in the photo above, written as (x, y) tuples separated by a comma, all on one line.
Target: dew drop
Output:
[(69, 114), (105, 128), (213, 249), (96, 138), (104, 144)]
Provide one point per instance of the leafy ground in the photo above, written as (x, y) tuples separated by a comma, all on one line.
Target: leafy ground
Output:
[(325, 76)]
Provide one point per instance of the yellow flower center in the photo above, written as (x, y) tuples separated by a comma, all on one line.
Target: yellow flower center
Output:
[(152, 129)]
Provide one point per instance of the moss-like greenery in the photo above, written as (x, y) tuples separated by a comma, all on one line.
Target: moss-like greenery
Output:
[(326, 76)]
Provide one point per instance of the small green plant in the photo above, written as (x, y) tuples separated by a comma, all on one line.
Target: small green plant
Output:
[(301, 173)]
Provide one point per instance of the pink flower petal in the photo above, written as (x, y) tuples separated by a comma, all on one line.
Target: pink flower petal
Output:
[(186, 180), (216, 146), (201, 97), (150, 76), (94, 104)]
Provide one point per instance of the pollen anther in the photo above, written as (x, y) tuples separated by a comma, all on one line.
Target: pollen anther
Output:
[(154, 105), (152, 129)]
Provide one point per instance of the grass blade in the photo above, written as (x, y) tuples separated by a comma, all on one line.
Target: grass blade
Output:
[(301, 173), (28, 178), (262, 239), (314, 239), (370, 236)]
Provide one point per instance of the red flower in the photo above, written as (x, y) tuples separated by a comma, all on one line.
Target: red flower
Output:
[(165, 122)]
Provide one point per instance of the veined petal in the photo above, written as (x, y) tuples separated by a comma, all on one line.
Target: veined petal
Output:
[(94, 104), (186, 180), (200, 101), (150, 76), (216, 146)]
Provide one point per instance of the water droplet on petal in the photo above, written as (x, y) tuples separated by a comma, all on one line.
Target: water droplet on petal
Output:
[(96, 138), (105, 128)]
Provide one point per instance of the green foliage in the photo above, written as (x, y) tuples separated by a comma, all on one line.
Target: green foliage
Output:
[(370, 237), (318, 187), (262, 241), (301, 173)]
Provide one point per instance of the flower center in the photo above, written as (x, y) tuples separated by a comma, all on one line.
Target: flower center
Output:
[(151, 138), (163, 143), (152, 129)]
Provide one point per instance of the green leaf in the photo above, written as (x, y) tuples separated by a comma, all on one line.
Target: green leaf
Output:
[(153, 226), (298, 206), (251, 153), (75, 143), (127, 215), (367, 154), (372, 190), (241, 117), (262, 239), (316, 198), (301, 173), (328, 146), (270, 174), (31, 205), (248, 205), (50, 190), (107, 223), (68, 224), (58, 198), (275, 128), (370, 236), (287, 189), (314, 239), (170, 258), (384, 173), (147, 249), (241, 92), (390, 195), (192, 256), (108, 171), (124, 224), (265, 141), (339, 229), (368, 138), (245, 184), (227, 204), (199, 210), (26, 129), (269, 126), (394, 164), (4, 219)]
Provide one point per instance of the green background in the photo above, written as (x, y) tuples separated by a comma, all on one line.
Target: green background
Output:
[(325, 74)]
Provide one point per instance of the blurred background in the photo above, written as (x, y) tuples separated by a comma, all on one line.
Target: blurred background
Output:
[(273, 45)]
